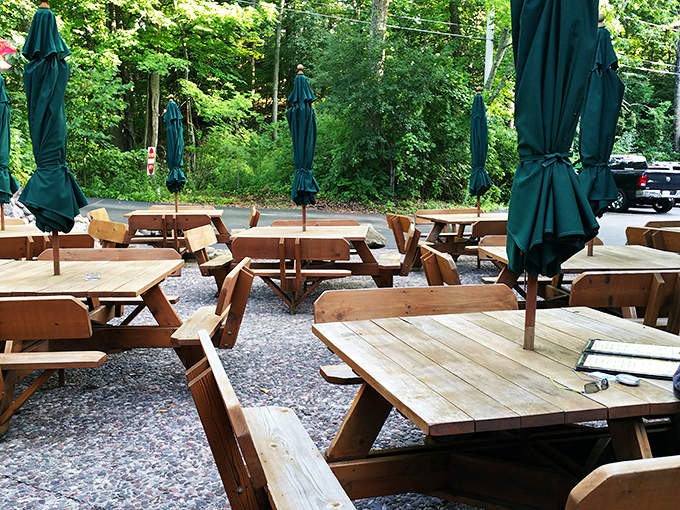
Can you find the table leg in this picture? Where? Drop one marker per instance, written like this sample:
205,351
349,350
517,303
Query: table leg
384,278
507,277
437,229
160,307
629,439
223,235
360,427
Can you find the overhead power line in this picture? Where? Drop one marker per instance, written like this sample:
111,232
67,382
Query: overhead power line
665,27
658,71
416,19
310,13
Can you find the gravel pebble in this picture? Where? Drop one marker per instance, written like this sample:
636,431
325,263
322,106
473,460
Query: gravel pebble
127,435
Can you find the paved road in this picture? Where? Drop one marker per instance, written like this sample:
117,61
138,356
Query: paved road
612,231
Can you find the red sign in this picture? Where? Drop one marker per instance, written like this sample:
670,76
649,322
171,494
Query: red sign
151,160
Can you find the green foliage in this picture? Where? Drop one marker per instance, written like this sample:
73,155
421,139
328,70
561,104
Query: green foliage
644,120
393,118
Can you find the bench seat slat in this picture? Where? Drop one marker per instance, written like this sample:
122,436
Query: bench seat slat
306,273
131,300
340,374
204,318
51,360
219,261
298,477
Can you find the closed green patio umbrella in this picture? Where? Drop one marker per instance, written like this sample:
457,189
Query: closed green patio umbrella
8,184
549,218
52,193
479,146
598,125
302,124
174,148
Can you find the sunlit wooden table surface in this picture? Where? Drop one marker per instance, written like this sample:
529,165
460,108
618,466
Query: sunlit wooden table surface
97,281
500,432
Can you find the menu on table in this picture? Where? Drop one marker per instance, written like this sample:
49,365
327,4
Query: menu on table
644,360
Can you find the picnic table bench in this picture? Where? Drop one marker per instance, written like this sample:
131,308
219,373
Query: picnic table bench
29,325
197,242
264,455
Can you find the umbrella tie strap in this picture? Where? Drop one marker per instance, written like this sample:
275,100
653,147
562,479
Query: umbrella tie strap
549,158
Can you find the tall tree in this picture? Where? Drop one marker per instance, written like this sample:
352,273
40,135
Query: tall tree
676,134
277,59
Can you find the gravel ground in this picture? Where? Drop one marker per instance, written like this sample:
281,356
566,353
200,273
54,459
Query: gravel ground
127,435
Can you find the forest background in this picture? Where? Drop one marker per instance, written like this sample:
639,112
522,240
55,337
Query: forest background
394,81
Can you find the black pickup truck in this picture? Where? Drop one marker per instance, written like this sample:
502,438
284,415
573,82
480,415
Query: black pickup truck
639,183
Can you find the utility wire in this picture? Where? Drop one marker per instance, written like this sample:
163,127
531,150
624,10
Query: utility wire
417,19
665,27
658,71
368,22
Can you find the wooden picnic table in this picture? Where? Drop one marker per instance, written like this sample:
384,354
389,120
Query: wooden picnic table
500,431
355,234
441,220
28,241
604,258
104,285
457,245
170,221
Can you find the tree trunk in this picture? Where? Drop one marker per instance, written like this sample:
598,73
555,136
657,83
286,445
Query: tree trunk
454,19
676,134
129,132
189,115
152,110
504,45
378,31
275,87
379,20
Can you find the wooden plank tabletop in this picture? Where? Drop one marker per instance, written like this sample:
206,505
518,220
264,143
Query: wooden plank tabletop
463,219
461,373
30,230
606,258
20,231
349,232
213,213
116,278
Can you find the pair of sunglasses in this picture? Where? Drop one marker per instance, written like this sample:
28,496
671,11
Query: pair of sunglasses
591,386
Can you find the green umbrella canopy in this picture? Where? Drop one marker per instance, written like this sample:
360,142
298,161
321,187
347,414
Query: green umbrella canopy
174,140
549,218
479,146
8,184
51,193
302,124
598,125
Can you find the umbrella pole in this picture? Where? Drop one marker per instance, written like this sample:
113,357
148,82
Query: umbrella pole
2,216
478,209
304,218
55,251
176,206
530,312
589,244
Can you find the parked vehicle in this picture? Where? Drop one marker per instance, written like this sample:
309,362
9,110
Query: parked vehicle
640,183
